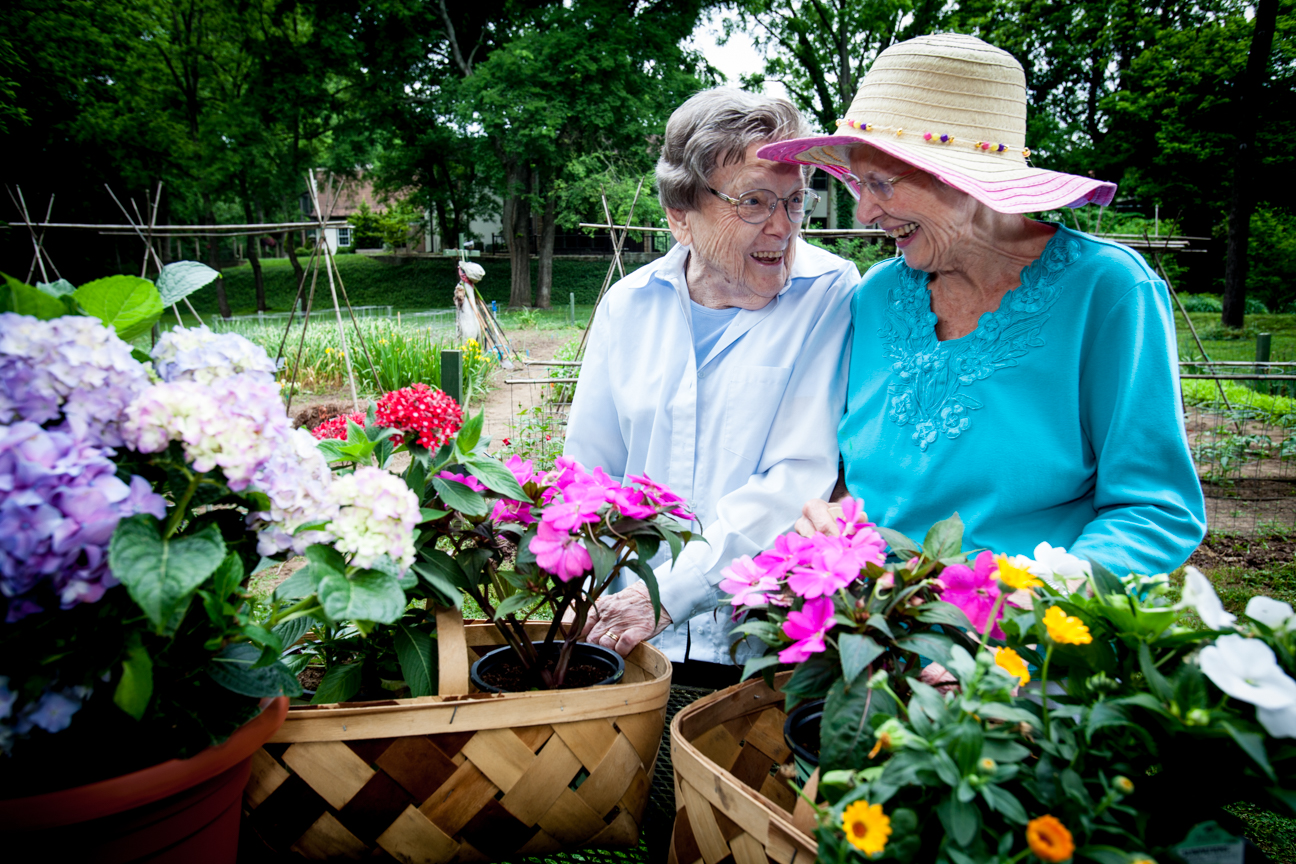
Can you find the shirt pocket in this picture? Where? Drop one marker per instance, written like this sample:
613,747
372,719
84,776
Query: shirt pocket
752,397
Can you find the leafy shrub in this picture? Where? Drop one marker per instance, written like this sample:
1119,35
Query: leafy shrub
864,251
1202,302
345,250
1271,274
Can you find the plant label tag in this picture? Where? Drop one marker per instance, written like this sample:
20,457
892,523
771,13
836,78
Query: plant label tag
1208,843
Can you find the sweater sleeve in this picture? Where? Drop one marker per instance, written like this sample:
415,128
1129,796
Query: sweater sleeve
1150,510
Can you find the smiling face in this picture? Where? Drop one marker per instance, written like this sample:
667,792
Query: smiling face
732,262
933,224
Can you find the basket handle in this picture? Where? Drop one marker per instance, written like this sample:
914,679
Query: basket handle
452,652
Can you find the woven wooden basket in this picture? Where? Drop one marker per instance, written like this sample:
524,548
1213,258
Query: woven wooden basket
464,776
732,799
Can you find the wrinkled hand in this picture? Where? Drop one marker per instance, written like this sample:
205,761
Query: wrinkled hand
818,517
621,621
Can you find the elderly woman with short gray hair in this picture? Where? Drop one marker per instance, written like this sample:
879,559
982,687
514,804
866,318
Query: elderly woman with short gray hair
719,369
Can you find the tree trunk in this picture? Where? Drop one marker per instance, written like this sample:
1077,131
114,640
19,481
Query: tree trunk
1249,106
222,302
253,250
548,227
517,232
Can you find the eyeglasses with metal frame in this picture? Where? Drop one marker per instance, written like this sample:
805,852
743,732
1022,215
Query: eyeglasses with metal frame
756,206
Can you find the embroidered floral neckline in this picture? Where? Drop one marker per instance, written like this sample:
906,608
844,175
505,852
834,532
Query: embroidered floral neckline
929,377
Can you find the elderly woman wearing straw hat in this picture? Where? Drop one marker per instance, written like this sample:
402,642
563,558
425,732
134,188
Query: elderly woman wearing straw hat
1012,370
719,369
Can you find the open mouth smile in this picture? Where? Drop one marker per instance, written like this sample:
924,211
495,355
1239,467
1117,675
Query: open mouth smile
902,232
769,259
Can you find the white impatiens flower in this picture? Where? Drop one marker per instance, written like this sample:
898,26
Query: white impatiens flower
1199,594
1247,669
1059,568
1272,613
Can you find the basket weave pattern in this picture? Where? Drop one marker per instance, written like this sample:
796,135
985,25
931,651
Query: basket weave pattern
465,778
732,799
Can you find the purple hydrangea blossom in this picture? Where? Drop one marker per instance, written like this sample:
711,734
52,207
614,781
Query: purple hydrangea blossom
72,368
198,354
52,711
298,482
60,501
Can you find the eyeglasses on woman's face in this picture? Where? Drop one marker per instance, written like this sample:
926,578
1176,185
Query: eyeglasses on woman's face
757,205
881,188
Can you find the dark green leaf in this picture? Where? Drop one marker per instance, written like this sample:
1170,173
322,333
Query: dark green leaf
1005,802
945,538
447,592
1003,752
1105,714
512,605
649,578
811,679
1254,746
961,821
940,612
367,595
339,684
603,558
933,646
497,477
857,652
459,497
901,546
332,450
162,575
128,304
57,288
437,562
136,685
228,576
303,582
233,670
756,664
414,651
427,514
845,735
326,556
1103,854
1157,682
470,433
1105,582
23,299
291,631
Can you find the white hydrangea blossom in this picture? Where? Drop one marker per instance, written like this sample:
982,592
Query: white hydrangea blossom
377,516
198,354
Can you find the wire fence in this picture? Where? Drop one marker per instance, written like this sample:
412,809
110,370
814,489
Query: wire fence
1242,434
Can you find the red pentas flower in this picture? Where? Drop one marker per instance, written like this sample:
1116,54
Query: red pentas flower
423,410
336,427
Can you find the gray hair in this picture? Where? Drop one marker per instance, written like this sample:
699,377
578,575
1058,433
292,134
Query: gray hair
715,128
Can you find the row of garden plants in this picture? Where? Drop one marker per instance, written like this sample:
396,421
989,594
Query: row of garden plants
1068,713
142,489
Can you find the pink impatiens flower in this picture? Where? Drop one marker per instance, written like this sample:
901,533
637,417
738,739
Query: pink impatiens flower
808,627
579,506
631,503
974,590
508,510
523,470
559,553
748,583
661,495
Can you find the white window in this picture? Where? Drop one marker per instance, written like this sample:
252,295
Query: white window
344,236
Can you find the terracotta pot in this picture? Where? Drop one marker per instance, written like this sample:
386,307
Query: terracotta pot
184,811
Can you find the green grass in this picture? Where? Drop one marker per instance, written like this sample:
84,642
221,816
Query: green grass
409,283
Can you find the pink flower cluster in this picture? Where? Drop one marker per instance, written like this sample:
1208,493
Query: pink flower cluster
574,498
974,590
425,411
813,568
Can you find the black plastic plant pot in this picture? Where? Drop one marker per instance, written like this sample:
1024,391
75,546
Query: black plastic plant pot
583,652
801,732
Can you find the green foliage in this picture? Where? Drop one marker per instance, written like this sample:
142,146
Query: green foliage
863,251
368,225
128,304
1271,269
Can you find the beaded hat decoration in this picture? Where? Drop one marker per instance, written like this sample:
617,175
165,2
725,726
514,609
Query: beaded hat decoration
955,107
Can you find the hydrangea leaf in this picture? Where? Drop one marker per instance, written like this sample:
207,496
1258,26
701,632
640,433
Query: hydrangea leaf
162,575
57,288
181,278
290,631
23,299
368,595
416,653
234,670
136,685
128,304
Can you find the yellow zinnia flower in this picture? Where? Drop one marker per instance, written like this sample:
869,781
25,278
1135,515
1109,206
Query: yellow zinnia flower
867,827
1014,575
1049,839
1065,628
1011,662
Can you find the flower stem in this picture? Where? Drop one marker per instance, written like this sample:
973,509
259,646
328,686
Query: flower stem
990,620
177,515
1048,655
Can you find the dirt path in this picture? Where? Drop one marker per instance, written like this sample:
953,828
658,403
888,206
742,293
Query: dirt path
505,401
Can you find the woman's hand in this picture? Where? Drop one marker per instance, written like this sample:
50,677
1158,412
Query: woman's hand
621,621
819,517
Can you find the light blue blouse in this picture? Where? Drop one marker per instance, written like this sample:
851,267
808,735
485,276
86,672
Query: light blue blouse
1058,419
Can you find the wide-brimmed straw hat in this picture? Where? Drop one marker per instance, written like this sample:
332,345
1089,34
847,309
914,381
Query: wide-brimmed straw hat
955,107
